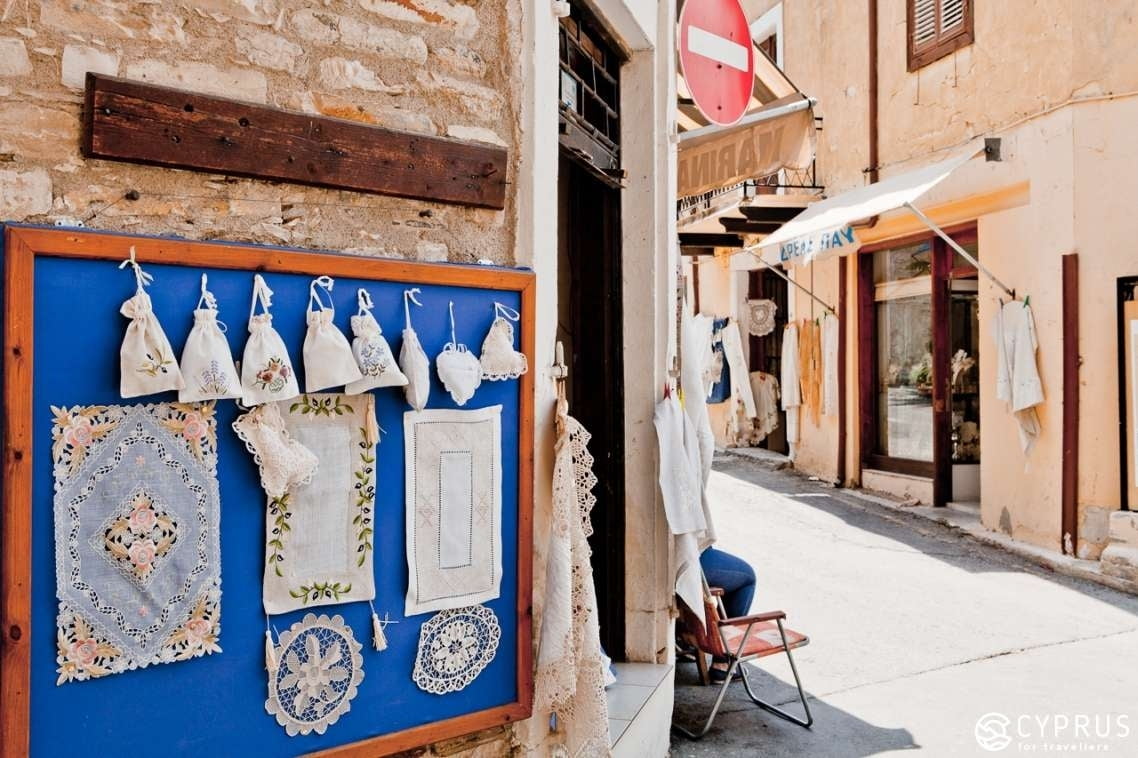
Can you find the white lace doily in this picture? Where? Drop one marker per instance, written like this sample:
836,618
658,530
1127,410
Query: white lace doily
762,315
319,671
454,647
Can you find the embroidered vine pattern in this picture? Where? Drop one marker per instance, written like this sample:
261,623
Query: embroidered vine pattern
320,407
365,498
280,513
310,593
155,364
274,375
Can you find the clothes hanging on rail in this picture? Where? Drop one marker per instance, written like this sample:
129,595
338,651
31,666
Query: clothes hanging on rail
791,386
1017,375
830,368
809,368
720,391
733,350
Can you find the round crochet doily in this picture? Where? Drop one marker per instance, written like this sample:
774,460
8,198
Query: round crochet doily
762,317
454,647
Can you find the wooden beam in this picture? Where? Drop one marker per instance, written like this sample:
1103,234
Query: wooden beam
697,251
142,123
699,239
1070,486
770,212
743,226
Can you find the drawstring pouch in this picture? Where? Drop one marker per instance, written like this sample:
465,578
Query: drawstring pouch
146,360
282,461
371,351
266,369
413,361
207,364
328,359
458,368
499,359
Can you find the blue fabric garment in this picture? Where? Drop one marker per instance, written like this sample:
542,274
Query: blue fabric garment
721,390
733,575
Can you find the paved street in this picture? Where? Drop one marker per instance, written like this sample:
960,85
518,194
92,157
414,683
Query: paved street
916,632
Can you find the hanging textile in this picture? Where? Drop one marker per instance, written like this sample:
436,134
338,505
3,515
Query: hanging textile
499,360
453,463
207,365
459,369
318,535
413,361
328,358
282,462
830,368
146,360
319,672
761,315
371,351
266,369
455,646
721,390
752,432
790,382
681,477
570,664
1017,375
733,350
810,368
137,552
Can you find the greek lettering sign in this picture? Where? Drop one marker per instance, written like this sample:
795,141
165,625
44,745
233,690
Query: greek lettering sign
819,245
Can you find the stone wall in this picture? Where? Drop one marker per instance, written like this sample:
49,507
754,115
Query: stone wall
437,67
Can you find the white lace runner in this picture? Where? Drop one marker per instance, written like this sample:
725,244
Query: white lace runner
137,553
454,647
453,463
319,671
319,534
570,664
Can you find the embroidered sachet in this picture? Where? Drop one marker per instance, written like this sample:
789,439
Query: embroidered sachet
319,672
283,462
458,368
328,359
146,360
453,465
266,369
499,360
137,553
318,536
372,353
454,648
207,365
413,361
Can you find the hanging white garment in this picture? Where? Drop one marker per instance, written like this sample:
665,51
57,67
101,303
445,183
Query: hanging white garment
413,361
146,360
458,368
1017,375
266,369
499,359
830,369
733,350
328,359
570,677
681,477
695,336
372,353
791,388
207,365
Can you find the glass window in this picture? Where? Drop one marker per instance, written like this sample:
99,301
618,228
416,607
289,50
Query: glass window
964,370
904,377
903,263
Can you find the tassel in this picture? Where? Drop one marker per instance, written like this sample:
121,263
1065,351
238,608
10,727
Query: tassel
378,638
270,652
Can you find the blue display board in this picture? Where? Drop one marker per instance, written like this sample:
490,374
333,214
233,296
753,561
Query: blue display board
215,705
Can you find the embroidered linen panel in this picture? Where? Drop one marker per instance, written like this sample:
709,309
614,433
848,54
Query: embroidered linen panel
318,535
137,552
453,465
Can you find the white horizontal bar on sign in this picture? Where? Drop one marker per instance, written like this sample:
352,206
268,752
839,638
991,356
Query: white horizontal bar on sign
718,49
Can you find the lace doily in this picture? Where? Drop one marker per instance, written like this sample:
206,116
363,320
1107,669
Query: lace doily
454,647
320,671
762,317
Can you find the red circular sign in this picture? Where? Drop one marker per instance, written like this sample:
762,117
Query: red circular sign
717,58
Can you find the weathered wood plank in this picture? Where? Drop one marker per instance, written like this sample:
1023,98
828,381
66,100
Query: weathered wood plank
143,123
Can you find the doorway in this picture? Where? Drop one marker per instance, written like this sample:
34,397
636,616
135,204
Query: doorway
766,351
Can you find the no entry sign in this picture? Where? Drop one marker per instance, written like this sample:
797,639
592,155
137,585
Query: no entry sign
717,58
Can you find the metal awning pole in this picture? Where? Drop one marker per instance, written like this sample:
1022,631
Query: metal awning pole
955,246
822,302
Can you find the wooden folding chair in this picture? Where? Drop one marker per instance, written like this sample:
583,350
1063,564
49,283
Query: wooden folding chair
739,640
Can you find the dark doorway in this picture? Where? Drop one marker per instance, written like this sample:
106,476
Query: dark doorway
766,351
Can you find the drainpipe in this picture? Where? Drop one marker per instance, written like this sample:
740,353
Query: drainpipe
873,156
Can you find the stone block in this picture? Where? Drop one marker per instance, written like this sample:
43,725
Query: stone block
14,57
475,133
237,83
1121,562
341,73
24,193
461,60
79,59
316,26
1123,527
166,26
384,42
262,48
98,19
405,120
261,12
35,131
433,252
462,18
477,100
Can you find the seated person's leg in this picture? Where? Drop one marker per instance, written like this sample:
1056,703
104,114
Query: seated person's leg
734,575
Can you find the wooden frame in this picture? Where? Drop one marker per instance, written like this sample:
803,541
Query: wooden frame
22,246
1071,360
1125,292
941,45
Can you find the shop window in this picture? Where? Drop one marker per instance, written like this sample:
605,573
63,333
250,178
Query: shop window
937,28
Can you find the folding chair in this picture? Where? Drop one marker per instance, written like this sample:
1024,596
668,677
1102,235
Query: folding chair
739,640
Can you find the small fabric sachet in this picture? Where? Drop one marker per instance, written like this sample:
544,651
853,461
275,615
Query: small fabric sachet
207,364
413,361
146,360
372,353
328,359
459,369
283,462
266,369
499,359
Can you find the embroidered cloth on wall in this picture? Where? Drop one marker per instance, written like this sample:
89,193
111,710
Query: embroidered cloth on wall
762,317
137,554
318,535
453,465
454,647
319,673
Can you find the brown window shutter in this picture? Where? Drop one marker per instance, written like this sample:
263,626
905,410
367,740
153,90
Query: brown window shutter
924,27
937,28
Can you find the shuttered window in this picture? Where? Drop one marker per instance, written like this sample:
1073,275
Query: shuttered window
937,28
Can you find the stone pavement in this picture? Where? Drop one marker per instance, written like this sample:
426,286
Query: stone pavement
917,631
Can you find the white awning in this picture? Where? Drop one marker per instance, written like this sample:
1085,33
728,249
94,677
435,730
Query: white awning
824,229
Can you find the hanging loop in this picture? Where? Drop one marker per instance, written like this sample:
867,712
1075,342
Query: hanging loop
325,283
141,278
410,295
261,294
505,311
363,298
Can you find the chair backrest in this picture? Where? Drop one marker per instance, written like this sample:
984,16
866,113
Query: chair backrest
705,636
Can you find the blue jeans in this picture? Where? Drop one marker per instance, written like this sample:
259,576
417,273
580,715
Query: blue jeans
734,575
